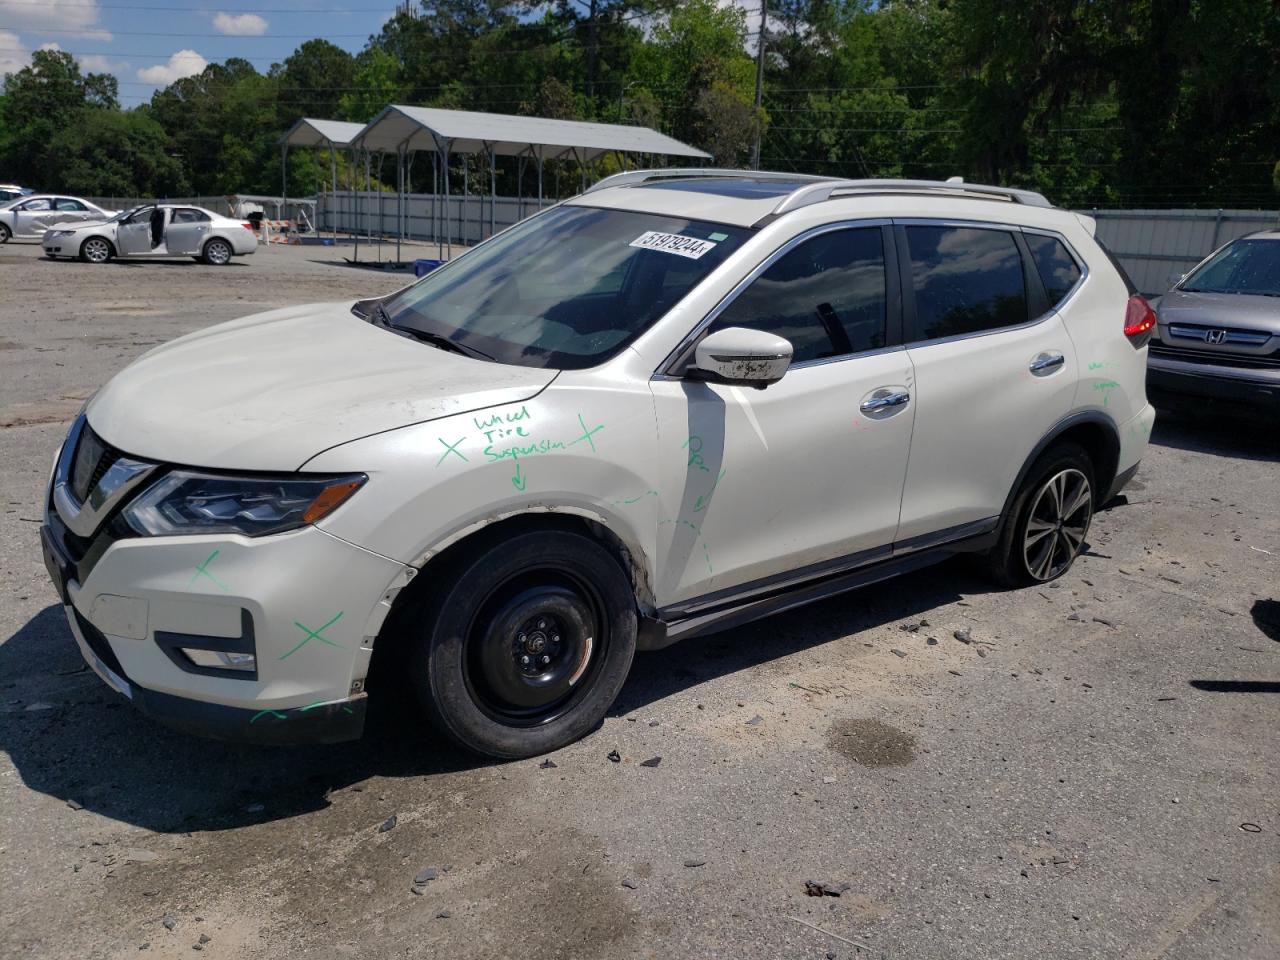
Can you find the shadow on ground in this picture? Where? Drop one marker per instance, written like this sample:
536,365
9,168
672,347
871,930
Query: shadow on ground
85,744
1222,430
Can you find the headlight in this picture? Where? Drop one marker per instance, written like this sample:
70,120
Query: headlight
63,233
183,502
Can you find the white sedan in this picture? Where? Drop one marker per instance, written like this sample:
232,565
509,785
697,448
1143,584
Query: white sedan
27,218
155,230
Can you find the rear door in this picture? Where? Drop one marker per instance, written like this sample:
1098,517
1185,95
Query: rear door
69,210
995,371
187,230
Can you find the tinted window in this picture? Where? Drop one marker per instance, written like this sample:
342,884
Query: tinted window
826,296
37,205
1057,268
567,288
188,216
966,279
69,205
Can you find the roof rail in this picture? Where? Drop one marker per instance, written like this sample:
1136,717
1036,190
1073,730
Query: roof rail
818,192
635,177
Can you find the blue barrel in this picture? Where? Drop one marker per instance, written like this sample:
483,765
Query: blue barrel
422,267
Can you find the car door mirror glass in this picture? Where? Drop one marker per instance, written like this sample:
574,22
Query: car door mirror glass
738,355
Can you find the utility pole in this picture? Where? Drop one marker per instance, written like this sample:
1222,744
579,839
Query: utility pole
755,146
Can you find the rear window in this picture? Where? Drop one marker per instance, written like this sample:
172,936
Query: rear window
966,280
1058,270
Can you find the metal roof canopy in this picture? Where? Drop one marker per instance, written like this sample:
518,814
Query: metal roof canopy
463,131
309,132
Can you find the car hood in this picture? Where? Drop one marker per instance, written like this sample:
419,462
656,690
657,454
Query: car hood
269,392
1238,310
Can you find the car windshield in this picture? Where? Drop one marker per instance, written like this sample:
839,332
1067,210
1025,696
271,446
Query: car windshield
1243,266
126,214
566,289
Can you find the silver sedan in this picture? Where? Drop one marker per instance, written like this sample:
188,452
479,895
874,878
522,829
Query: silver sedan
27,218
155,230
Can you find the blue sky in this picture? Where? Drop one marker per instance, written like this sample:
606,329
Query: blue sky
150,43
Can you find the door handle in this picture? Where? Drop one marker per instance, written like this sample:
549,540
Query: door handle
880,403
1046,362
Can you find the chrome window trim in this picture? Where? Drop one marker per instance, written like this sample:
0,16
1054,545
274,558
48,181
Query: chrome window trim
124,475
1007,228
684,348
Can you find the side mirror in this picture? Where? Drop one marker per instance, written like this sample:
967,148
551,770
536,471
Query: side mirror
738,355
1176,278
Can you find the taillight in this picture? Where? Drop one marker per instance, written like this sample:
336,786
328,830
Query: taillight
1139,321
247,226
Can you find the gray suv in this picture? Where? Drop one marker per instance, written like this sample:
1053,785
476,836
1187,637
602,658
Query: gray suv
1219,329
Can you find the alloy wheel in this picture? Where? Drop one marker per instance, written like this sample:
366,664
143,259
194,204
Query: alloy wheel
218,253
97,250
1057,524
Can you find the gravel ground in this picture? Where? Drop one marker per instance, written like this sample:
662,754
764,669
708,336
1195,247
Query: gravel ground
1093,775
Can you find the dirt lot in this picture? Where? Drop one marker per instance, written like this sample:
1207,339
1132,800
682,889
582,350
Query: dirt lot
1094,775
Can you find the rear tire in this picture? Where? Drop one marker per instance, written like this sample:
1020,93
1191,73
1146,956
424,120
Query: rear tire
217,253
1048,521
526,645
96,250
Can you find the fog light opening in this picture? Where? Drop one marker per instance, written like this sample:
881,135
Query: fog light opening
221,660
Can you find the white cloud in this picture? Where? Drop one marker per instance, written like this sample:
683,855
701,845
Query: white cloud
81,16
13,55
242,25
49,47
184,63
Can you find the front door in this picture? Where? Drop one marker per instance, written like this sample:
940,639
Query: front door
134,236
995,370
758,483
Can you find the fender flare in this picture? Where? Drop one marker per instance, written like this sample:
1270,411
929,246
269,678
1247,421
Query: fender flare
1093,417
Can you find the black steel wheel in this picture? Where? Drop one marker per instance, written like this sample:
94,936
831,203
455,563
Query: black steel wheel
527,645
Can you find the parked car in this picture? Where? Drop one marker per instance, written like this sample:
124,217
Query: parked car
11,191
28,218
1219,329
673,404
156,230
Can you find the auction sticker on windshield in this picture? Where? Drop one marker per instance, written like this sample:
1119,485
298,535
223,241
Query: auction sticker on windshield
676,243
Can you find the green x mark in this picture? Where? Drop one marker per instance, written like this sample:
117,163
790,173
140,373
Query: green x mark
262,713
451,448
315,635
587,434
202,570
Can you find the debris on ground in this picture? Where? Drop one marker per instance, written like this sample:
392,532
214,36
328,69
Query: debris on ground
962,635
169,922
898,653
630,884
426,875
695,863
651,762
814,888
388,824
615,756
754,720
547,765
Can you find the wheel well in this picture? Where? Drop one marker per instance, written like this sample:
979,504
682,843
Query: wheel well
417,594
1103,448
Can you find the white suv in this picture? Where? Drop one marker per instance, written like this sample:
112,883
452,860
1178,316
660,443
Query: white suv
677,402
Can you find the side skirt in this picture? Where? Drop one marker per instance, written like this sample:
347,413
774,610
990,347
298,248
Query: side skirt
673,624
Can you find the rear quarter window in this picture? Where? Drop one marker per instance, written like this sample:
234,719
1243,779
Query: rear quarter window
1058,270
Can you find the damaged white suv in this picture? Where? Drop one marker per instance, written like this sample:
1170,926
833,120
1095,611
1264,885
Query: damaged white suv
680,401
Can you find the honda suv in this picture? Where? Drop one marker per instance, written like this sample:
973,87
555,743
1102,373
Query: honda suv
1219,329
675,403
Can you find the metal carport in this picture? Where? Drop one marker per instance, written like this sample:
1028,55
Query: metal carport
332,134
405,130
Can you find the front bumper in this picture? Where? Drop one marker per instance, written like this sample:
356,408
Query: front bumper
307,604
1175,377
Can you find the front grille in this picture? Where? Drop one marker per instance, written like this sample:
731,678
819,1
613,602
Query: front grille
1265,361
94,457
98,644
1198,331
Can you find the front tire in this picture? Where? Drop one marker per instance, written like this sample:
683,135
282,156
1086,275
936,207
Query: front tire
96,250
526,645
1049,520
217,253
5,233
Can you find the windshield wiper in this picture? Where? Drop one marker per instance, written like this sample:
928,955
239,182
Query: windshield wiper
380,318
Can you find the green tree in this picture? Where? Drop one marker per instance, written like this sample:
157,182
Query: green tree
115,153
